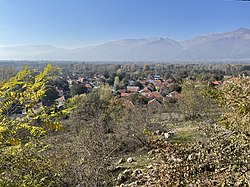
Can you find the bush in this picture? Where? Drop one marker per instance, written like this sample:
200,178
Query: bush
234,97
100,129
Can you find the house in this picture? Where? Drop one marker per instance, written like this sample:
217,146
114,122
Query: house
165,83
81,79
145,91
89,87
60,101
157,77
36,107
150,77
157,83
125,94
217,83
154,95
133,89
154,105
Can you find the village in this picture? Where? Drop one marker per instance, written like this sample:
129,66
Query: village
152,91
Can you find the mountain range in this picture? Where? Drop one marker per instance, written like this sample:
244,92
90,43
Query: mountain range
233,45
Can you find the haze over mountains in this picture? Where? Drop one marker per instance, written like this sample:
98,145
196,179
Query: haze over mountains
221,46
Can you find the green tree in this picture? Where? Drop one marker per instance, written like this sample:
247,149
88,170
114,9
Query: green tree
193,103
77,89
50,95
116,83
60,84
146,67
124,83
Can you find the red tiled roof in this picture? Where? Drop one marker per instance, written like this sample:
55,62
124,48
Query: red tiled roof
157,84
217,82
88,86
154,95
165,83
145,90
133,88
81,79
125,94
60,99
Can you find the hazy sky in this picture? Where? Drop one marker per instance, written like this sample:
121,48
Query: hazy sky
73,23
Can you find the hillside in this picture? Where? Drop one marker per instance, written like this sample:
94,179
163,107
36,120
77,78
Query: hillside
234,45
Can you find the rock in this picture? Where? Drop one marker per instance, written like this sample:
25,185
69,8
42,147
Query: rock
177,160
168,135
127,172
190,157
130,160
116,169
150,166
136,172
122,160
121,178
152,152
158,132
135,183
140,176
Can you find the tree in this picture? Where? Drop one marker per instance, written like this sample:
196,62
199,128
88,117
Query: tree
124,83
61,84
146,67
116,83
77,89
193,102
51,94
119,72
234,97
21,159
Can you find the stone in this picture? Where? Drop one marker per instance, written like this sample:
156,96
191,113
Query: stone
121,178
116,169
150,166
136,172
130,160
127,172
122,160
168,135
158,132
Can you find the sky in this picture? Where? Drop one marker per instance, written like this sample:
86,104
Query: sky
75,23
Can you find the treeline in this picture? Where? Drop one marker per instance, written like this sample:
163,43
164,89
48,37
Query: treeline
166,71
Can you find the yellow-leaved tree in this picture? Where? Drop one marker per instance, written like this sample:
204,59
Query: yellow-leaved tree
22,158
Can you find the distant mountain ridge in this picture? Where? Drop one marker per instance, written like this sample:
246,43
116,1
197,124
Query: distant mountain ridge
218,46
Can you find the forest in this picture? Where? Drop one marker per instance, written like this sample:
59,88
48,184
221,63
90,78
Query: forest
127,124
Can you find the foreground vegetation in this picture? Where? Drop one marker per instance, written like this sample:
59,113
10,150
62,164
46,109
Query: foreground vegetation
99,139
